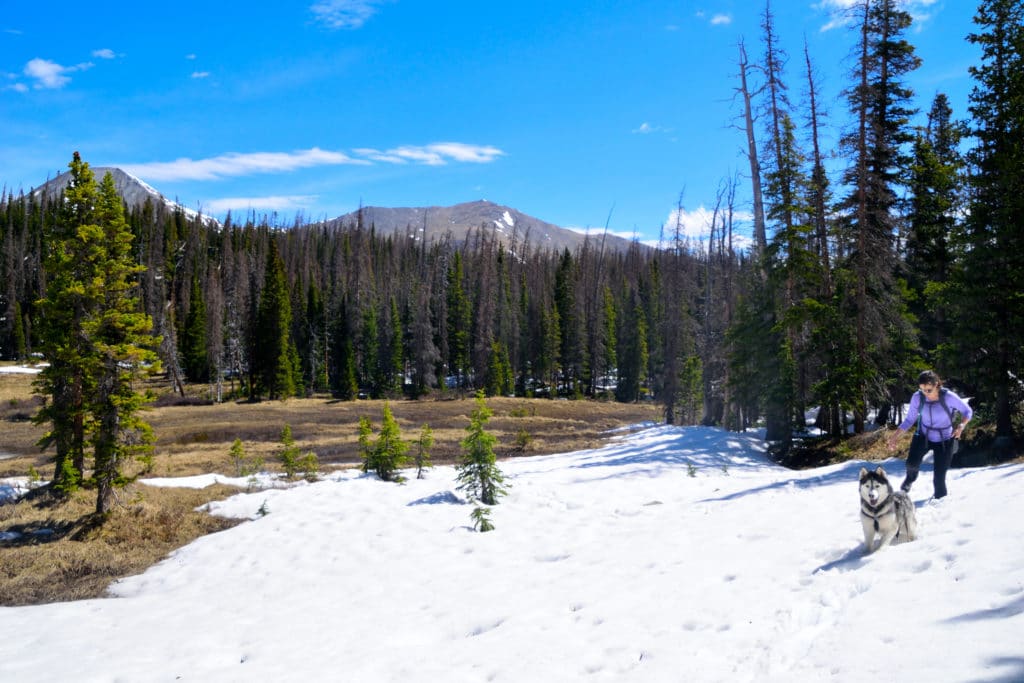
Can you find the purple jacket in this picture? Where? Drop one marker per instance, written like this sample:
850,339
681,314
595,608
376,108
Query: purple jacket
935,422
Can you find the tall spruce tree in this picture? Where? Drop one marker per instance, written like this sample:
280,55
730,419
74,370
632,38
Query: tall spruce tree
458,322
68,302
125,351
935,189
273,350
880,107
97,340
193,337
984,295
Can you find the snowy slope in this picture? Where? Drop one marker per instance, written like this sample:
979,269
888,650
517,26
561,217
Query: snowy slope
673,554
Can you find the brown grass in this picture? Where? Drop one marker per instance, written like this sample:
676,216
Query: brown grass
66,553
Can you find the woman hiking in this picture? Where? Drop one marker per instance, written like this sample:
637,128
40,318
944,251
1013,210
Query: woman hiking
932,409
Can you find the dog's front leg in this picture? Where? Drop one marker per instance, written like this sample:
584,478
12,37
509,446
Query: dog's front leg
887,537
869,533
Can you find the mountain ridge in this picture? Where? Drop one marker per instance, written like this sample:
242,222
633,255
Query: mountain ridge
511,226
460,220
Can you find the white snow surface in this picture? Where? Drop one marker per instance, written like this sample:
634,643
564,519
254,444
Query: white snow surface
671,554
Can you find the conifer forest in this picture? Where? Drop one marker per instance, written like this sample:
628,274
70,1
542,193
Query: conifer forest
900,250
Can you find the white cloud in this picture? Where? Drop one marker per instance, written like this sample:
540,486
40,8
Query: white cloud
235,164
104,53
598,232
51,75
646,128
271,203
696,226
190,56
436,154
721,20
200,74
337,14
841,12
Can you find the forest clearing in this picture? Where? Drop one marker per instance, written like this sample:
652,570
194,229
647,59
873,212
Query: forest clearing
62,552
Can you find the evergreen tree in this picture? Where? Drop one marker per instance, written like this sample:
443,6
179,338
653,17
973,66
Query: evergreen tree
365,445
988,311
570,334
458,322
96,339
423,445
344,383
879,102
124,350
69,301
369,344
498,380
389,453
610,358
633,354
934,205
193,337
478,473
273,351
20,347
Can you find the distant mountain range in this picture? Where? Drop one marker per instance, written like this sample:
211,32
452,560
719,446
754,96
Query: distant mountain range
134,191
430,223
506,223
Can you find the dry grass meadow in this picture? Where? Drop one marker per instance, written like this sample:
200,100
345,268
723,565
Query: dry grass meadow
65,553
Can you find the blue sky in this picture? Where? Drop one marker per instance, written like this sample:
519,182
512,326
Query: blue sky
578,113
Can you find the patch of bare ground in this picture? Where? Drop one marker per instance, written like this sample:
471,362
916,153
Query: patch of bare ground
57,550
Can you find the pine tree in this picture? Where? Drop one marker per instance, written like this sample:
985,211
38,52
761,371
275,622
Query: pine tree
193,337
68,302
458,322
344,383
478,473
879,104
389,453
124,350
369,345
96,339
423,445
273,331
365,445
988,311
20,347
934,205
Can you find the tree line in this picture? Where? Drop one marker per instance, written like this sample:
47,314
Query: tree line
907,255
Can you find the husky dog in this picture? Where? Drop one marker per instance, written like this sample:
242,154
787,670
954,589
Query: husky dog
890,515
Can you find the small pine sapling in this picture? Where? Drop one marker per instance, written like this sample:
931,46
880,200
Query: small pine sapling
388,455
309,465
365,447
423,446
289,453
237,454
482,519
479,475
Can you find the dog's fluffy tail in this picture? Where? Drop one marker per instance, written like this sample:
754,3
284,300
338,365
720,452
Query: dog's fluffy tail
905,518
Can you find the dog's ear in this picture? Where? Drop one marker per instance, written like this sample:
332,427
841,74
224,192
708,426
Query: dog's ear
863,472
880,471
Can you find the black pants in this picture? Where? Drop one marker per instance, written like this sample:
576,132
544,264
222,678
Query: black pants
943,454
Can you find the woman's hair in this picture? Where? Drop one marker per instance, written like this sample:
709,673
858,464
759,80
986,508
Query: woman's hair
929,377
